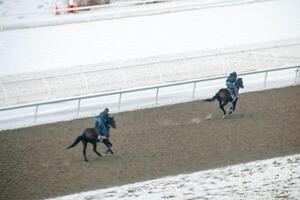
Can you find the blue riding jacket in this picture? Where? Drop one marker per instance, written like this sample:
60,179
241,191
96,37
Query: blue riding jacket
100,123
231,83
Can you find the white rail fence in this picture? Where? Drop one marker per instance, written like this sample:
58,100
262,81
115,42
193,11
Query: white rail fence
115,9
103,77
137,98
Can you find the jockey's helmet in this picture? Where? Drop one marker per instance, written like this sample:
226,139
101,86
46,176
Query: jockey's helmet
233,73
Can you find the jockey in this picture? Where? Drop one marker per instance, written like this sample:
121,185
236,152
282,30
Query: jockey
100,124
231,84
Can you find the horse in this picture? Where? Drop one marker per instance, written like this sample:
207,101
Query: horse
224,97
90,135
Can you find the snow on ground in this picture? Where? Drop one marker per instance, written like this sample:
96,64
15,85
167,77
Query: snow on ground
54,47
22,7
277,178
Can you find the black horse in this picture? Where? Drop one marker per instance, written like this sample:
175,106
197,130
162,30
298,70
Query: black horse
90,135
224,97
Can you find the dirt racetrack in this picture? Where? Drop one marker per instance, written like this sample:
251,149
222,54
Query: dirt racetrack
149,144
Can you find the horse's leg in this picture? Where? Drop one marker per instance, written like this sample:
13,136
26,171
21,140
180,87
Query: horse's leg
108,141
108,144
84,151
233,106
95,149
221,105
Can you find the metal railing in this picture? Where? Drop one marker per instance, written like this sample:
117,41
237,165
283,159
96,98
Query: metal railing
92,79
162,6
157,88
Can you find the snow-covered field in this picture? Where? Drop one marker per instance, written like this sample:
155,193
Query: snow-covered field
23,14
277,178
66,46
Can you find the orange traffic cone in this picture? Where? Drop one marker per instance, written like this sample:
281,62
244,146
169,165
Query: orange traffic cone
57,12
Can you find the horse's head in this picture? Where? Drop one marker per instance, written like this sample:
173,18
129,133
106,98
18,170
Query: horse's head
239,83
111,121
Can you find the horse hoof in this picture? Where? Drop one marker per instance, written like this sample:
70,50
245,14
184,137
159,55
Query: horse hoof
225,116
109,151
86,160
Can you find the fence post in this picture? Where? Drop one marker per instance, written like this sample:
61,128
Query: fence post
4,92
78,108
224,70
297,75
255,58
265,82
274,54
194,90
156,98
47,86
36,113
159,72
82,75
122,74
120,99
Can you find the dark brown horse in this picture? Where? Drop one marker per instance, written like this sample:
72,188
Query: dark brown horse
224,97
90,135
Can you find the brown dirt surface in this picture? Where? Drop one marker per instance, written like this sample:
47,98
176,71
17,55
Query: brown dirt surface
148,144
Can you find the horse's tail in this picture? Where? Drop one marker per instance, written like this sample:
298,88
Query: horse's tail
211,99
78,139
